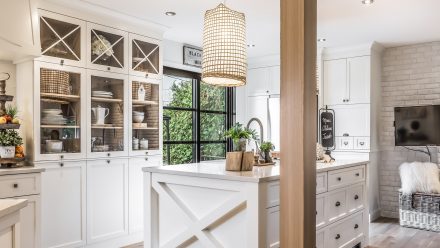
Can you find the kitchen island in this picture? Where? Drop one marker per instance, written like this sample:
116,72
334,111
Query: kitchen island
202,205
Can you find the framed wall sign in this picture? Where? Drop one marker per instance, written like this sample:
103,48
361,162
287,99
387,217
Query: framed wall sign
192,56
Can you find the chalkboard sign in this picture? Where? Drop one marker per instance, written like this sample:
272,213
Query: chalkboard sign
327,128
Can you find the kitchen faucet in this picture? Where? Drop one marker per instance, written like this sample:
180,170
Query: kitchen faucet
260,124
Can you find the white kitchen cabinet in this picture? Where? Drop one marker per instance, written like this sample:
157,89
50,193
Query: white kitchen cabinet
358,80
352,120
263,81
63,204
335,81
273,227
347,81
145,57
136,192
29,225
18,30
107,199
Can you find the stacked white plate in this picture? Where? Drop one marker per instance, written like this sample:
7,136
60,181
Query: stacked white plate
53,117
102,94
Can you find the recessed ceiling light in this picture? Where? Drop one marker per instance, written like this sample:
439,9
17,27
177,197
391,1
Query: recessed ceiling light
367,2
170,13
251,45
322,39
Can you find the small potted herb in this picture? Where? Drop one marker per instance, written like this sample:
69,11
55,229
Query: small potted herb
266,148
9,139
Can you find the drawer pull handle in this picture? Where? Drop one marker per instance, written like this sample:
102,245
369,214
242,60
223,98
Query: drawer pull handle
62,62
357,174
356,226
346,143
146,159
338,204
108,161
316,212
346,135
356,197
362,143
339,179
146,153
15,185
338,236
61,164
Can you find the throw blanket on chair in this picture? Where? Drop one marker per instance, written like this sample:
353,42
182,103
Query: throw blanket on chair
418,177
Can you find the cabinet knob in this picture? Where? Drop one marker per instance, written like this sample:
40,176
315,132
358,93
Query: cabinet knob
108,68
356,197
267,91
15,185
146,159
108,154
62,62
146,153
338,236
146,75
346,134
357,174
108,161
61,164
356,226
62,157
346,143
362,143
339,179
338,204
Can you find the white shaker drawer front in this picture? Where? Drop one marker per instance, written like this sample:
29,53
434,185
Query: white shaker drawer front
346,231
355,198
345,177
19,185
362,143
320,211
320,237
321,183
345,143
336,205
273,194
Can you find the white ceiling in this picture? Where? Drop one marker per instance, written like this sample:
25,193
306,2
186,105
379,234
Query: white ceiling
341,22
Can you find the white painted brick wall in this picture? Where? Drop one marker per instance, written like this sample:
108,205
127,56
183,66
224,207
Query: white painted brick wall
410,76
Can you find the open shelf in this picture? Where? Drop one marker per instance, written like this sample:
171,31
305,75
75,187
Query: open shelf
140,103
106,127
99,99
59,126
62,97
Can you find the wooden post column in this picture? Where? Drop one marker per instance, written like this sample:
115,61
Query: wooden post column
298,123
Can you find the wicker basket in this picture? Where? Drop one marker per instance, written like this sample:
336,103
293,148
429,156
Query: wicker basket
420,211
55,82
135,88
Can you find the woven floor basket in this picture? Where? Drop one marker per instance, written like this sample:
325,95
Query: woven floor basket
420,211
135,88
55,82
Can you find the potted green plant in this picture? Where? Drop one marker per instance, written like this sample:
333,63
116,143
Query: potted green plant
240,136
266,147
9,139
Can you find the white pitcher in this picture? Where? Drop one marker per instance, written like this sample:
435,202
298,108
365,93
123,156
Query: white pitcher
100,114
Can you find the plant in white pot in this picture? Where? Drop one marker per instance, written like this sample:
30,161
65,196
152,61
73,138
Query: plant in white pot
9,139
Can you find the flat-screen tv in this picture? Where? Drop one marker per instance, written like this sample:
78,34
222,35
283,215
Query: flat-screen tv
417,126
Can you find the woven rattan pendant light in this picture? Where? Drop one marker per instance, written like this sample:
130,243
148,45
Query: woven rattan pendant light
224,60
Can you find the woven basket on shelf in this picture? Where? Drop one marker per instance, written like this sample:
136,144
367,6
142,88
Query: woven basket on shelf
135,88
420,211
55,82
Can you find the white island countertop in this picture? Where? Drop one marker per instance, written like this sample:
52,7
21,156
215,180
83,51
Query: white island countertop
9,206
338,164
216,170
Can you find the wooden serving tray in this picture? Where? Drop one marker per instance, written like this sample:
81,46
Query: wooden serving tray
265,164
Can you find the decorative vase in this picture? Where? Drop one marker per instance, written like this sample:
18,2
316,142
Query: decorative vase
242,145
233,161
7,151
267,157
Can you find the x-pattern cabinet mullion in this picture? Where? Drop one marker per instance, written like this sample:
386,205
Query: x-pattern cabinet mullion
145,57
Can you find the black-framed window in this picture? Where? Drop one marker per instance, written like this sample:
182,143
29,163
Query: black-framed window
195,118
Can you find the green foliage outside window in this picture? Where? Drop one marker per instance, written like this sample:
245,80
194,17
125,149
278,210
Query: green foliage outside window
180,124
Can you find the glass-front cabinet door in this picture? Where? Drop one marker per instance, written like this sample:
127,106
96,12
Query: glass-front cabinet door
145,57
59,123
107,112
145,116
62,39
106,48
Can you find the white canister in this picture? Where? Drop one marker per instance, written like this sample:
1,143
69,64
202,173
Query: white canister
143,144
7,151
135,143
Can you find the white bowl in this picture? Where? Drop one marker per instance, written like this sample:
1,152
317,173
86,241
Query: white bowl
138,113
138,118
